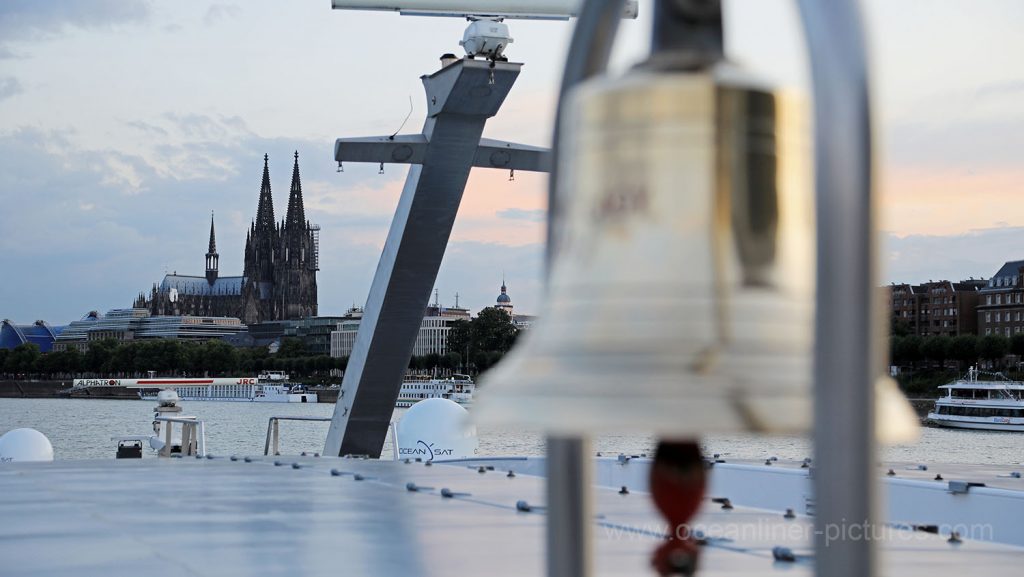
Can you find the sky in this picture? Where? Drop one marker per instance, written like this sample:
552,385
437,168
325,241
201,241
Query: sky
124,123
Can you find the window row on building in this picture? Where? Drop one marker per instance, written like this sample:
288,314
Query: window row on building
974,306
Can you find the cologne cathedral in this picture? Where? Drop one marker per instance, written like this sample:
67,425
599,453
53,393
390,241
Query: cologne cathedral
279,280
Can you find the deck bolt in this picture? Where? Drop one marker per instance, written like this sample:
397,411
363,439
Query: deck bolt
954,538
247,459
789,514
278,463
296,466
938,477
482,470
336,473
357,477
783,554
511,474
891,473
623,490
234,457
523,506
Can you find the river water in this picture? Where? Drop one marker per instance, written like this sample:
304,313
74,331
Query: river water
82,429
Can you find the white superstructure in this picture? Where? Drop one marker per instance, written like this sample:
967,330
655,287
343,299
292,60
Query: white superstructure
270,387
994,405
458,388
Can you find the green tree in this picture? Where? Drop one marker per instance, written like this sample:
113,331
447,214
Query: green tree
1017,345
340,363
899,327
122,360
451,361
936,348
74,361
219,357
908,349
993,347
493,330
97,357
4,353
964,349
460,339
292,347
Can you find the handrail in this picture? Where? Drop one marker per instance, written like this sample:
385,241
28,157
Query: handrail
193,436
274,431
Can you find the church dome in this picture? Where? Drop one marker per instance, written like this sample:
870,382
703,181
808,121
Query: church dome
503,298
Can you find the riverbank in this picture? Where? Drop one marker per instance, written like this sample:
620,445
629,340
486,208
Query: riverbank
62,389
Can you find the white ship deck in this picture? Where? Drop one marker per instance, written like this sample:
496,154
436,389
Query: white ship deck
221,517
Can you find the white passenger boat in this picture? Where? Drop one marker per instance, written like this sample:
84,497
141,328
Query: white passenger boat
266,388
994,405
458,388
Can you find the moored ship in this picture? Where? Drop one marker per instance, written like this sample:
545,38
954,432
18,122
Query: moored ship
969,403
270,387
458,388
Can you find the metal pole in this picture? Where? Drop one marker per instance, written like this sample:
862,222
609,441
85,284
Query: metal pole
568,466
202,438
569,528
847,359
589,50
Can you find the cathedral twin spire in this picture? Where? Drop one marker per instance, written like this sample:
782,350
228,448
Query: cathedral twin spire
265,211
296,213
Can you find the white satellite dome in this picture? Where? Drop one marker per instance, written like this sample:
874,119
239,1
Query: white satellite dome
25,445
436,429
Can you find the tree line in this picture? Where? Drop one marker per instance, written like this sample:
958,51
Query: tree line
966,350
166,357
474,346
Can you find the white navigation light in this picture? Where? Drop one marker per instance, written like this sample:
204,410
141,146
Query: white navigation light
436,429
25,445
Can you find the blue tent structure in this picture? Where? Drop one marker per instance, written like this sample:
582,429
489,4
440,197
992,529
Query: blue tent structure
39,333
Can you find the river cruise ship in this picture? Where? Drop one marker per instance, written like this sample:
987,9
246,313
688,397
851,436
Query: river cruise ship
970,403
269,387
458,388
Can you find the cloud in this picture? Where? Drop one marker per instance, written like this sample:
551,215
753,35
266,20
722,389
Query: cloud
1012,87
33,20
9,86
147,127
978,253
536,215
980,144
96,225
220,12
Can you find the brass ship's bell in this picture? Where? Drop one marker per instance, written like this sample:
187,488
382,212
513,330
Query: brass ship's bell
681,295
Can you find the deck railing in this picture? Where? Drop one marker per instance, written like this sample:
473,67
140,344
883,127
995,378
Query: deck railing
274,432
